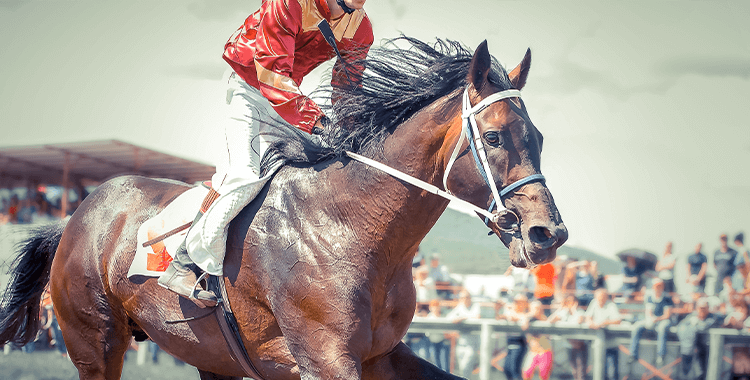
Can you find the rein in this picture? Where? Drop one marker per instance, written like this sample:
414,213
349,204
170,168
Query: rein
471,133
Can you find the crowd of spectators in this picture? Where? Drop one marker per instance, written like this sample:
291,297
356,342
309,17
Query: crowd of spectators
33,208
574,292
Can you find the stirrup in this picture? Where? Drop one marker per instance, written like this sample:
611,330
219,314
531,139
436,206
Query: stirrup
195,291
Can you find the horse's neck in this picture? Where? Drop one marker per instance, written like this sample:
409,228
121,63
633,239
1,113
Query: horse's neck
407,213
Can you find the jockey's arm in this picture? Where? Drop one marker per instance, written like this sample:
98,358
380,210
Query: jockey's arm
353,51
274,62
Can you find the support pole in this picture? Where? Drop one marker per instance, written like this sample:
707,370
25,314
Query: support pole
715,353
65,183
599,348
485,351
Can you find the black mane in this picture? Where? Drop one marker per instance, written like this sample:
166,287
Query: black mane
398,82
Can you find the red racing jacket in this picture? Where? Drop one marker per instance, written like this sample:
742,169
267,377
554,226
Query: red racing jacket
280,43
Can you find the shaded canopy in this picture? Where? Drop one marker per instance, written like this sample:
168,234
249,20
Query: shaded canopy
91,163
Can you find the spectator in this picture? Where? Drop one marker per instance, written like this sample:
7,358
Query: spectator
566,272
578,353
723,262
741,264
418,259
598,276
739,314
418,341
601,313
560,262
425,286
516,343
739,319
540,348
42,214
631,280
584,284
568,285
521,280
467,344
687,331
440,346
665,268
26,210
441,277
697,267
13,208
51,324
658,313
724,298
544,290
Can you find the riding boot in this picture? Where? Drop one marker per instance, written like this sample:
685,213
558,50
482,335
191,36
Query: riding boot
180,278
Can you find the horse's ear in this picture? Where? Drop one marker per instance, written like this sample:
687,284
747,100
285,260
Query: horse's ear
521,72
480,66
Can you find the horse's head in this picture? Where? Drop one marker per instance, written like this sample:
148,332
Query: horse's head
530,226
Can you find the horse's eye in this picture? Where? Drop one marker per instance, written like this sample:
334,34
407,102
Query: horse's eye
492,137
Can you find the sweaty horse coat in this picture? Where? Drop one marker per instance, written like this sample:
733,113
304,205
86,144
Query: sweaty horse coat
318,267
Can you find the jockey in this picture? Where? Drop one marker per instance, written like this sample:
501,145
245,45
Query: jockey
269,54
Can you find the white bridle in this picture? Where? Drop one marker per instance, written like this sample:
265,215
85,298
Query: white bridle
470,132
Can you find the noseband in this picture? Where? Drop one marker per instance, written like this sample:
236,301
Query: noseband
470,131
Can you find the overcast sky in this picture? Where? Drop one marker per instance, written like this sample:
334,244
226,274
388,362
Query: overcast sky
644,105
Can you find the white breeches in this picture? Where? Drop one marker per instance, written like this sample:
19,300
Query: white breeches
237,171
245,109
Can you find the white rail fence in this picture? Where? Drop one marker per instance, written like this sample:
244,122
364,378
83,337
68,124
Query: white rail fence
600,339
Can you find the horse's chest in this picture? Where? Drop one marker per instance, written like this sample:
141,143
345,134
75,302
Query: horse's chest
391,318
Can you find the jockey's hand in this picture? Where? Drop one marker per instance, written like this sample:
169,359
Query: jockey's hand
321,125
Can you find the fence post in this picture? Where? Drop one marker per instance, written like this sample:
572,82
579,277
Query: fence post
715,353
485,351
599,348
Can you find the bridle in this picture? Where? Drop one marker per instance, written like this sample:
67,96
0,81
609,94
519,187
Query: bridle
470,131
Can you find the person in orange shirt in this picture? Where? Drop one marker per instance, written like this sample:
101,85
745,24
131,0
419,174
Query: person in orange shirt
544,291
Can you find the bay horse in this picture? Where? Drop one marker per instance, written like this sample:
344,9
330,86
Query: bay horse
318,267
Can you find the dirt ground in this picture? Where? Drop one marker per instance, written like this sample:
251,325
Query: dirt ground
51,365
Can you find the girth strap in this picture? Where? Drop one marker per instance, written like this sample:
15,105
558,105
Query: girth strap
229,328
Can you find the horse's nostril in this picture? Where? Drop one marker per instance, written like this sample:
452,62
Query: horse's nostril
541,235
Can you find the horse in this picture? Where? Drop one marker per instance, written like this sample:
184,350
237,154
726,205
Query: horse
318,266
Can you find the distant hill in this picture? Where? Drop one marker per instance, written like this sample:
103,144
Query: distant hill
464,246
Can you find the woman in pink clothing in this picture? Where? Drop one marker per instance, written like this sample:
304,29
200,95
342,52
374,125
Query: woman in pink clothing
540,348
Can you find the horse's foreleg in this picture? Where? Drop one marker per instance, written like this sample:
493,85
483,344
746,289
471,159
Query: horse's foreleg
402,363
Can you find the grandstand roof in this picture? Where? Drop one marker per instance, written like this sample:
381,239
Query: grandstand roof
91,163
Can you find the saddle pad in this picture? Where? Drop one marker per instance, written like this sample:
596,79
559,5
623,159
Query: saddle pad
153,260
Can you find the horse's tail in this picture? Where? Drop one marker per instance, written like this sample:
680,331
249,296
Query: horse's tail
30,271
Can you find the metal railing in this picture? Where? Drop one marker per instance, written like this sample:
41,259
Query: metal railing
599,338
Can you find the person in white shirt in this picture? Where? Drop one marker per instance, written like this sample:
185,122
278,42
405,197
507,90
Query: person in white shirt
665,267
424,285
467,345
601,313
